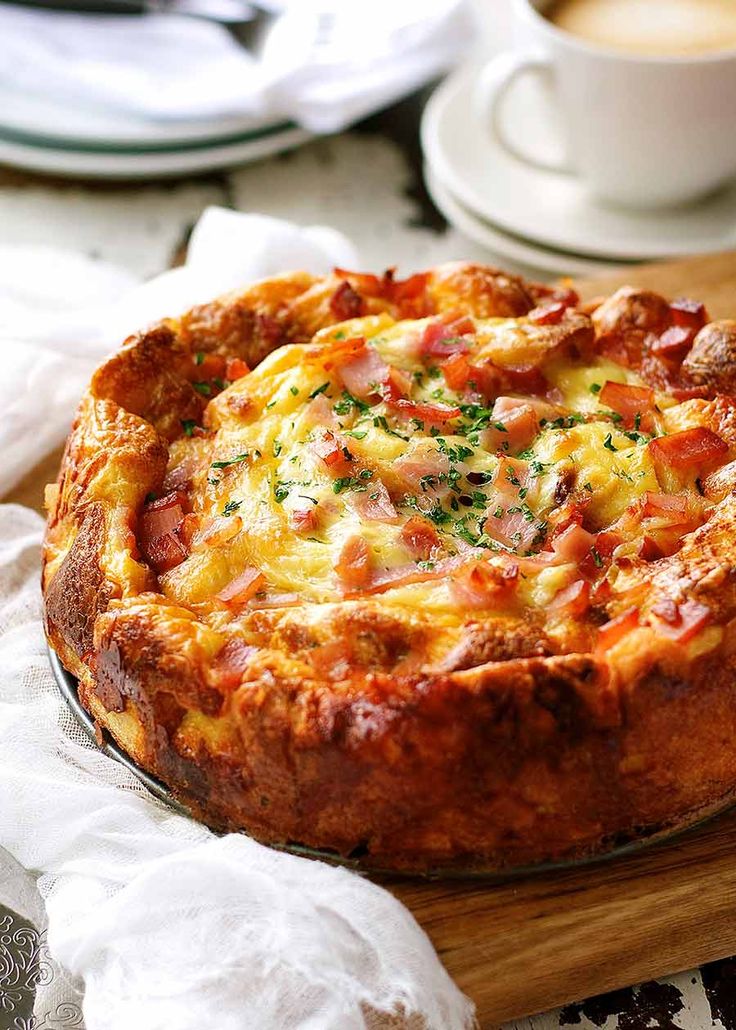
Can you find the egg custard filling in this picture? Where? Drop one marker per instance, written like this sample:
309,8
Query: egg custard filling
453,466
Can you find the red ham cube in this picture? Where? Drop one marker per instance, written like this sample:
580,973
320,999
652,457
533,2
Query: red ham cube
550,313
419,537
692,451
243,586
158,535
354,566
429,414
573,600
616,629
516,426
346,303
479,585
681,622
627,401
334,452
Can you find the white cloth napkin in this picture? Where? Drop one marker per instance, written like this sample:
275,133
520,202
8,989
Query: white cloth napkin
61,312
166,924
324,63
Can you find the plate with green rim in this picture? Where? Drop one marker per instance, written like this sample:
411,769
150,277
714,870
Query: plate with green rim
103,159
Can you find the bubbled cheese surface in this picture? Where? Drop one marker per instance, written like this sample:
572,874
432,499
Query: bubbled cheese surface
259,465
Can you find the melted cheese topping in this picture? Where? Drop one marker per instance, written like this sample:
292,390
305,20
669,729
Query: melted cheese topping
260,466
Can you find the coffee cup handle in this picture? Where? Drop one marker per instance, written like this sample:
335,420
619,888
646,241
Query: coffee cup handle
493,85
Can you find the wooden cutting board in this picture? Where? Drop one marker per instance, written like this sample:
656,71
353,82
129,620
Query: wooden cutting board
528,945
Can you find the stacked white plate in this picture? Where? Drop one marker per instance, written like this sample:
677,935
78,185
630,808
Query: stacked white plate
42,135
547,220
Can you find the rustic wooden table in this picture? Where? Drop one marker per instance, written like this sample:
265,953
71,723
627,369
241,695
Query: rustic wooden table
144,227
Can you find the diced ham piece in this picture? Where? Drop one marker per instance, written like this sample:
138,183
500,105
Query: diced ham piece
573,600
396,386
419,537
672,508
321,412
210,366
527,379
304,520
484,381
346,303
689,313
479,584
363,373
510,476
570,511
354,566
163,552
605,543
340,351
442,338
408,294
159,541
219,530
243,586
420,468
683,621
692,450
514,529
548,314
333,450
456,371
231,662
688,317
509,520
404,575
573,544
429,414
490,381
627,401
367,283
674,343
616,629
236,368
374,504
280,600
162,516
517,426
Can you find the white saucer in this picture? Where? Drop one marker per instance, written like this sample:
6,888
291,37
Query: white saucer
43,134
113,161
509,247
552,208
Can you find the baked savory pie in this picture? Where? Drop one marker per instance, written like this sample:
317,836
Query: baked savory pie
435,572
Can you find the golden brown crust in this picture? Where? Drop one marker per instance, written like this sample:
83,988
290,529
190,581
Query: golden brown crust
81,577
629,309
712,359
343,728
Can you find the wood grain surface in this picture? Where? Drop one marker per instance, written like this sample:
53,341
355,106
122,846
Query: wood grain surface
531,944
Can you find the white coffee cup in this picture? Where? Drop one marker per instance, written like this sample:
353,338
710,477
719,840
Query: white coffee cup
640,130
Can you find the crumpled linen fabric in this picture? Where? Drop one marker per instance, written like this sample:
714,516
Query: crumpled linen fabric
166,924
60,313
324,63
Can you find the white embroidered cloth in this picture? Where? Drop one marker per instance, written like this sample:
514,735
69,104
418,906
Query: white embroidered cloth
166,924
